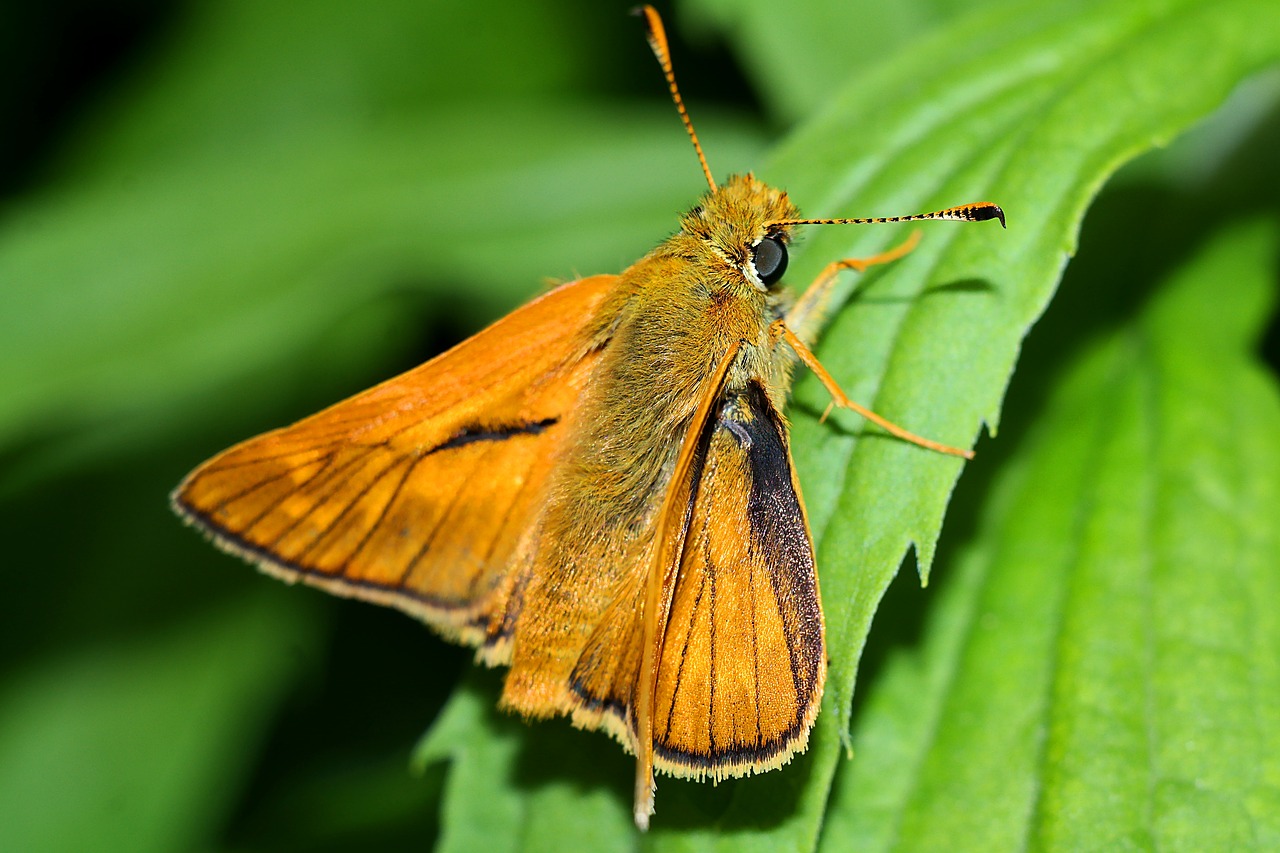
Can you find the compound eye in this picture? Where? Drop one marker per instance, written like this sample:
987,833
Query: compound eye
770,259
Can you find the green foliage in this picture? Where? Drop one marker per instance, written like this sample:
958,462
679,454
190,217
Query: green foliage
271,210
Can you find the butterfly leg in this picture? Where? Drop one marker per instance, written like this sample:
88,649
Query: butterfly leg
780,329
810,308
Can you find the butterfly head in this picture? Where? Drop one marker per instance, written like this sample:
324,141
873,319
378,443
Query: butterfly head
744,222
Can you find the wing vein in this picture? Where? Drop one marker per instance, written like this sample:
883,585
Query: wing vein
342,513
386,507
675,687
431,537
318,479
270,457
271,506
711,666
755,643
326,459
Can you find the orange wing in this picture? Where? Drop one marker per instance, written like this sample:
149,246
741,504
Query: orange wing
416,493
742,663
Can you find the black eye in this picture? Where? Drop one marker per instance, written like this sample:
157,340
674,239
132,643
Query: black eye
770,258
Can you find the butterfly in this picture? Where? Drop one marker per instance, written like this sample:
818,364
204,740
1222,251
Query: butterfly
596,491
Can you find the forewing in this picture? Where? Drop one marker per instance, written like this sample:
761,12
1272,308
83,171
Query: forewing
742,664
419,492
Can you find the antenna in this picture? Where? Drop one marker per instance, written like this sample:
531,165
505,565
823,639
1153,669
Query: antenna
658,44
978,211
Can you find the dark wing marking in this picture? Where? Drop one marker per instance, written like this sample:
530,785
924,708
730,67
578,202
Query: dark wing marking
742,665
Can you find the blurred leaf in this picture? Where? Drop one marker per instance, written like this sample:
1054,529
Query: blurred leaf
141,746
800,57
248,74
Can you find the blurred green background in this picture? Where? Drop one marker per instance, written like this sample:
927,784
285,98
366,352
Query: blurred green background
218,217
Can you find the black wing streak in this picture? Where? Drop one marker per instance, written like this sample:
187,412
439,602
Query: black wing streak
471,434
711,676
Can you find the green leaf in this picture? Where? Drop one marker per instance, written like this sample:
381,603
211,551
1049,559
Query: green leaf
1100,671
559,803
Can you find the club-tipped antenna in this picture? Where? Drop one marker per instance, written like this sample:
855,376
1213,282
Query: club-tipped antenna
657,36
978,211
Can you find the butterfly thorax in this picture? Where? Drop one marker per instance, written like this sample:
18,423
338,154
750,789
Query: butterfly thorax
673,315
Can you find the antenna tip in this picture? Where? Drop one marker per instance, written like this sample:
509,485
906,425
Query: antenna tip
648,13
654,32
988,210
